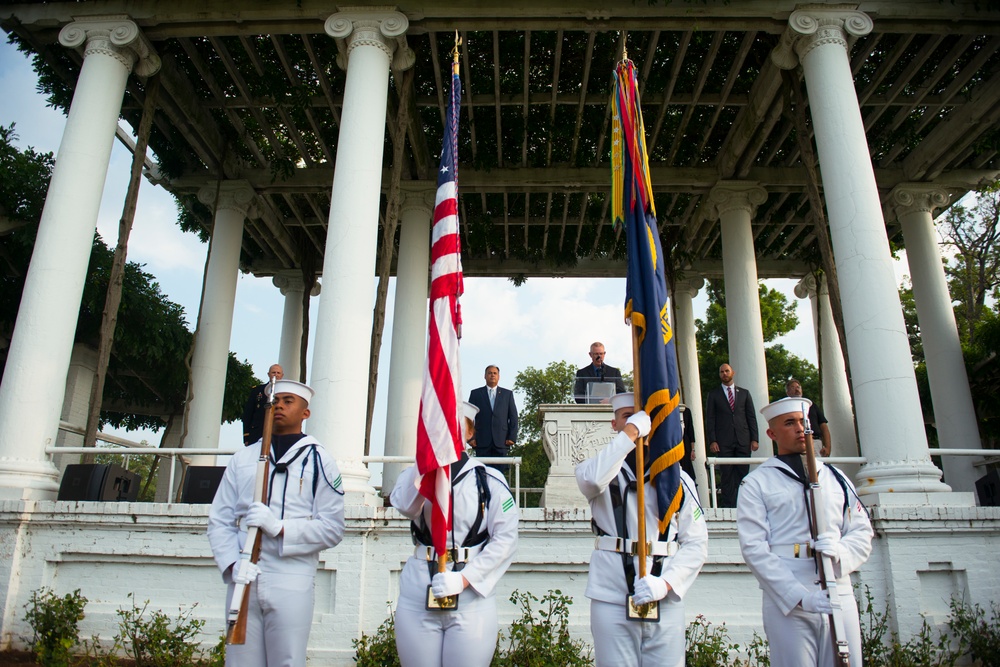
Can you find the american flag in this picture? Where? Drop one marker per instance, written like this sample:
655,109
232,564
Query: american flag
657,384
439,430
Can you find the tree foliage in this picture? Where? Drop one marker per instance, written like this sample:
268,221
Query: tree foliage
553,384
972,235
147,373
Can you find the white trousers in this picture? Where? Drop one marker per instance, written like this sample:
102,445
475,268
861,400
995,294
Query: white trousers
466,637
802,638
619,641
278,622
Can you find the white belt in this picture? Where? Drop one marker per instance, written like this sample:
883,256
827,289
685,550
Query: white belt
801,550
618,545
460,555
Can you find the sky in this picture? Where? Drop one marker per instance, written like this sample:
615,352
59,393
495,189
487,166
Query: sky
544,320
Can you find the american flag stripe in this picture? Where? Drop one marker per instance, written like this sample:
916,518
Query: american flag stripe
439,429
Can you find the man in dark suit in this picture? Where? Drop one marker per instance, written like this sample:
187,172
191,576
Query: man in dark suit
256,407
496,421
731,430
597,371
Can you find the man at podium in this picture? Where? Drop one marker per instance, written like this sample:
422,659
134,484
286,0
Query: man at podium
597,382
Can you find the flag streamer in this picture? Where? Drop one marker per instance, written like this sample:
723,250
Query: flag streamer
439,429
646,293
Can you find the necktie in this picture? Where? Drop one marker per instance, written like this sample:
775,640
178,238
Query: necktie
732,401
493,397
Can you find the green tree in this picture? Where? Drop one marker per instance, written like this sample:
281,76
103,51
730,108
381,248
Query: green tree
147,376
972,238
553,384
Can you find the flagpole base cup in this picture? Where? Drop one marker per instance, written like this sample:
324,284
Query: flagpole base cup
448,603
643,613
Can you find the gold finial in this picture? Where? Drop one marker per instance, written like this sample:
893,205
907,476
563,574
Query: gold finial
458,43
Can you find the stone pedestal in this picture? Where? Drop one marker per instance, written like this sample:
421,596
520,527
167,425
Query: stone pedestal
570,434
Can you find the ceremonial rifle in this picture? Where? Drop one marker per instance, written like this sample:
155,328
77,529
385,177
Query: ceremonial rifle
824,564
236,622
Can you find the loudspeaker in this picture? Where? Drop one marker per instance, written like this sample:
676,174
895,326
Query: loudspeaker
200,484
98,481
988,489
82,481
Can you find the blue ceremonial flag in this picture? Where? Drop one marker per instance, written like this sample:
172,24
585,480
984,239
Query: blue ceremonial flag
657,382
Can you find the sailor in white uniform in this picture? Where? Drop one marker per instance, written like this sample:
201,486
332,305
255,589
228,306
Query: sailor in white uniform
304,515
774,532
608,481
483,539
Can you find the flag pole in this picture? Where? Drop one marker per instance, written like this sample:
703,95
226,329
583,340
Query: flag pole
640,460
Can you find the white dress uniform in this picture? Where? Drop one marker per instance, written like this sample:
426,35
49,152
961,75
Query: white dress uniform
467,636
618,641
281,598
771,519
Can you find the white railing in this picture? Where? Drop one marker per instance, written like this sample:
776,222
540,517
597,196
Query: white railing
713,461
128,448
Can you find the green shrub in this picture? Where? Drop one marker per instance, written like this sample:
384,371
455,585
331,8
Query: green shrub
54,621
378,650
975,636
156,640
881,647
543,641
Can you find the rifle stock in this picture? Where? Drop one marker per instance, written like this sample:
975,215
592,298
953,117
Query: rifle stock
236,621
827,577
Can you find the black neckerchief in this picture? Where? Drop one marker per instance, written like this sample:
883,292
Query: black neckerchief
280,444
794,461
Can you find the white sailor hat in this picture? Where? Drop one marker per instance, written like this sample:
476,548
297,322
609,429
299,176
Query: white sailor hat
623,400
292,387
783,406
469,411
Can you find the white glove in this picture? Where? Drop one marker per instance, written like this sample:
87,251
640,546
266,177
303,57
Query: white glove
261,515
817,602
828,544
245,572
447,583
649,589
641,421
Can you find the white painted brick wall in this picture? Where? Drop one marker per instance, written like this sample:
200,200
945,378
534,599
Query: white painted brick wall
159,552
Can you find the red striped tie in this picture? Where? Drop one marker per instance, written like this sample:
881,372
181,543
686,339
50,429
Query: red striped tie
732,401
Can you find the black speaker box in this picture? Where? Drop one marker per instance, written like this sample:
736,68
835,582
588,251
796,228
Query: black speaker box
98,481
200,484
988,489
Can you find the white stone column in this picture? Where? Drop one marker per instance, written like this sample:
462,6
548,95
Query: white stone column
735,203
368,40
31,393
409,331
836,398
954,414
890,423
231,200
290,348
687,362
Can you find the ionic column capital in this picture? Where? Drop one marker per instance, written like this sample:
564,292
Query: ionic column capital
236,196
806,288
414,197
116,36
735,195
381,27
908,198
689,286
291,281
814,26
